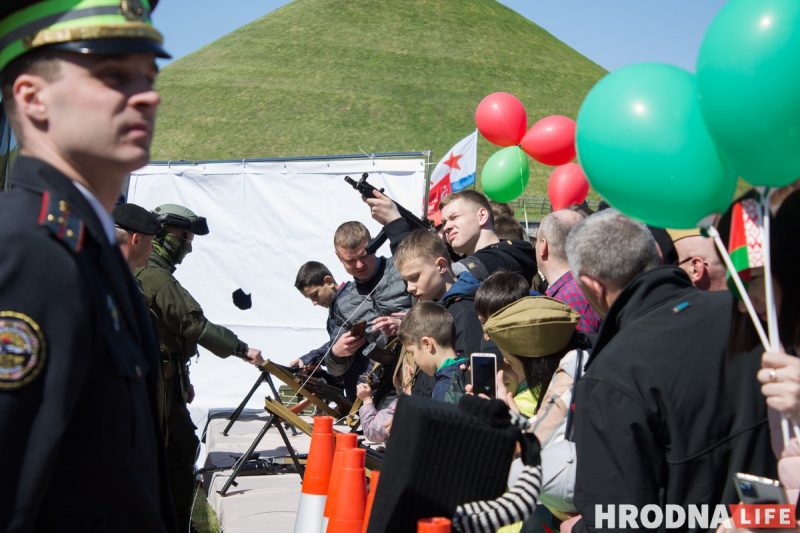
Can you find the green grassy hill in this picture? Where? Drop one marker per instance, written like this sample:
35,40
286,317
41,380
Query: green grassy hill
334,76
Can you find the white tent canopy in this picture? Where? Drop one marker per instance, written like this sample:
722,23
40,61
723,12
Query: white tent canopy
267,217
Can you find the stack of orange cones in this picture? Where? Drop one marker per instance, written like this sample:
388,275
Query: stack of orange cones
350,501
433,525
373,486
344,442
316,478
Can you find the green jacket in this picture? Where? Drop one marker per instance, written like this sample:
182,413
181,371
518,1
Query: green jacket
180,322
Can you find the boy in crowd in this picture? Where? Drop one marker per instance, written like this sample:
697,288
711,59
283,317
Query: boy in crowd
315,282
427,335
424,264
496,292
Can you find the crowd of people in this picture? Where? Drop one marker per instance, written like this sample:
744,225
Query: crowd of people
633,351
618,346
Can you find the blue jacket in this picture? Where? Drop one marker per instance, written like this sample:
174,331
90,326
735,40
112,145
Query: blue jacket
460,301
450,381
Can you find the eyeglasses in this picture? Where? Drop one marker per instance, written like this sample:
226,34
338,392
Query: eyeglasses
682,261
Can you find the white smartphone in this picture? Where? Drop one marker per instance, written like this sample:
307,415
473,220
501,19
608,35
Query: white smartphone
756,489
483,369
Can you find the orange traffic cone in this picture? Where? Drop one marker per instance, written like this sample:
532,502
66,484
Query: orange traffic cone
373,486
344,442
347,515
316,478
433,525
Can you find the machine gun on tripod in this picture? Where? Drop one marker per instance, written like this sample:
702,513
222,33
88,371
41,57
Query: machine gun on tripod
310,383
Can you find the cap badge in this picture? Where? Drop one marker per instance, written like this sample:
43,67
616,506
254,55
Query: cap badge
133,10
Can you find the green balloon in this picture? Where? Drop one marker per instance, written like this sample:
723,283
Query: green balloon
505,174
644,147
748,80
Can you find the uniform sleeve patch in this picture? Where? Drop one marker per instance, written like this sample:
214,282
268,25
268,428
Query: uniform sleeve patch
22,350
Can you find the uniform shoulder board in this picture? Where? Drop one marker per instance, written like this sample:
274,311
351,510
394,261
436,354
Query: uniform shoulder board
59,220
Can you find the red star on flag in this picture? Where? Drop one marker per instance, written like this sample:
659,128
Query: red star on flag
452,161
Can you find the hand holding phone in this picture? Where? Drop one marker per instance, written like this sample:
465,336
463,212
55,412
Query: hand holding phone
483,369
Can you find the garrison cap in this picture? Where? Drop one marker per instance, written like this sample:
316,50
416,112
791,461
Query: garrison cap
111,27
137,219
534,326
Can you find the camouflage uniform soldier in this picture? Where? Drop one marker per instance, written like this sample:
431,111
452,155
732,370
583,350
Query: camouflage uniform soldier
181,326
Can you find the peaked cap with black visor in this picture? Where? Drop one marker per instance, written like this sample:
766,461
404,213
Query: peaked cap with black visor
104,27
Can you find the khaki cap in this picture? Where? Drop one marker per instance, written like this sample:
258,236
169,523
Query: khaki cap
534,326
678,234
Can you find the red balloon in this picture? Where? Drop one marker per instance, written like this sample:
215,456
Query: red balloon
501,119
567,186
551,141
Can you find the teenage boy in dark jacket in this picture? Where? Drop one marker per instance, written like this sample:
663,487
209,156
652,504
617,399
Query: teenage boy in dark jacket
424,264
663,415
315,282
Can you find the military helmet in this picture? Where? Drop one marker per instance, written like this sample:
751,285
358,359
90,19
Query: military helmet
180,217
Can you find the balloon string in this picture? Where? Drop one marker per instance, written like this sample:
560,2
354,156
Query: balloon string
769,293
712,232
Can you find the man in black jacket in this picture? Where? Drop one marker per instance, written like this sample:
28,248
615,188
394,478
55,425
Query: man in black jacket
469,229
81,443
664,415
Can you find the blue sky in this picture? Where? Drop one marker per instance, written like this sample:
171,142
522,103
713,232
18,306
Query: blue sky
612,33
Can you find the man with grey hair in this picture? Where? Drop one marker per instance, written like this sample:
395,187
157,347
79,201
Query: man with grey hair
551,258
663,415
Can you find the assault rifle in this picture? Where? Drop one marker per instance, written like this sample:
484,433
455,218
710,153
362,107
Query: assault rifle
367,190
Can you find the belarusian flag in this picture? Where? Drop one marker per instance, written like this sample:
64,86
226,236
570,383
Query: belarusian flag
745,241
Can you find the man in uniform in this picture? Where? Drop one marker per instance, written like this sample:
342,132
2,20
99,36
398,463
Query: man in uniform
80,444
181,326
135,228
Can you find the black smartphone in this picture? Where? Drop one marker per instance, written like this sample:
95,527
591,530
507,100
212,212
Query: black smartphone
483,369
359,329
757,489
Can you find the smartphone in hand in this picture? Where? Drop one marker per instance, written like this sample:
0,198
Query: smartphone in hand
359,329
483,369
756,489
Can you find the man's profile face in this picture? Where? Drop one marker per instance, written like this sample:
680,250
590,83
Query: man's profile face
321,295
101,110
358,262
423,279
462,225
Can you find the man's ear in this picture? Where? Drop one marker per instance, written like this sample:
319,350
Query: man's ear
698,269
594,291
134,239
545,248
27,92
483,216
328,280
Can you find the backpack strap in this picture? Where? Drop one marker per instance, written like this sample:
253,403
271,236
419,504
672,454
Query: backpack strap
571,409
